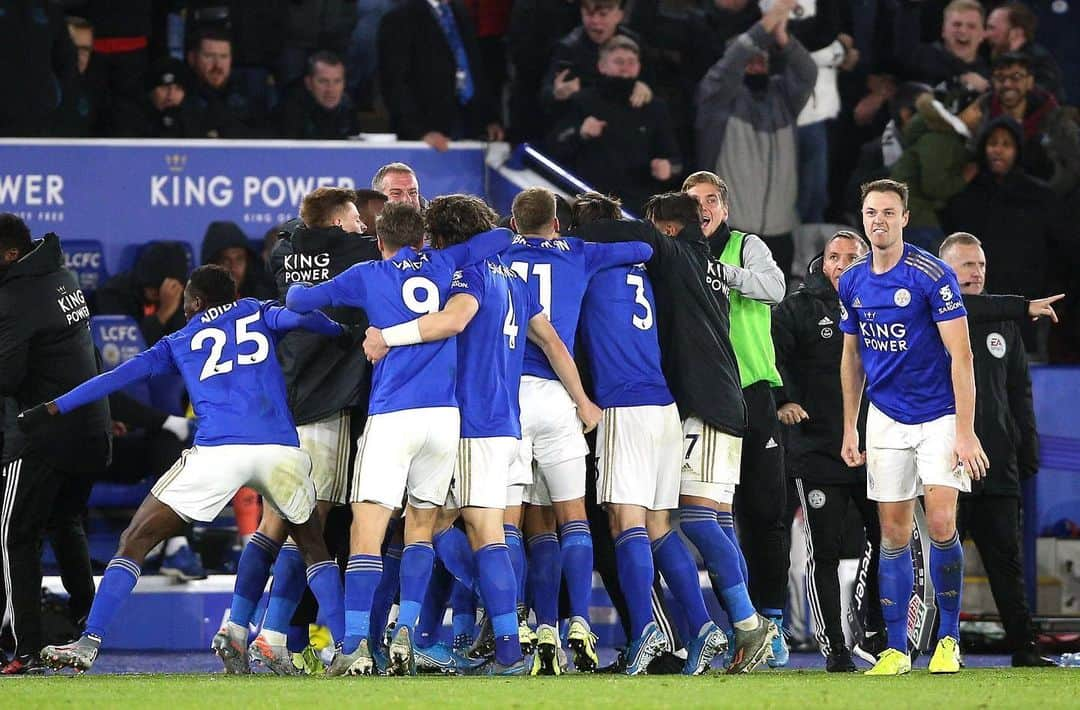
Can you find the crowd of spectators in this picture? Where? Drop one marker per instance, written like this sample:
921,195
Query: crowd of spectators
793,102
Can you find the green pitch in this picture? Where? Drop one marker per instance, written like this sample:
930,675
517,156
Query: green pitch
973,688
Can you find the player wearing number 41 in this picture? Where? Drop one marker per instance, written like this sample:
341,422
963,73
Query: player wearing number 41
906,337
246,437
490,310
410,440
558,271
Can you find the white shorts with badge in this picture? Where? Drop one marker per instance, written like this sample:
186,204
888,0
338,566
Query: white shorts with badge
205,478
639,456
711,461
327,442
410,450
482,471
902,459
551,436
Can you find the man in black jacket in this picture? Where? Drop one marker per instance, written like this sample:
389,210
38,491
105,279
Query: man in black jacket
152,292
320,109
45,350
1005,420
228,112
225,244
808,348
432,76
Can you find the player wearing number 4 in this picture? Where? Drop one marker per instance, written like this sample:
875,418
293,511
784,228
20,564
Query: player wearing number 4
906,337
410,441
490,310
558,271
246,437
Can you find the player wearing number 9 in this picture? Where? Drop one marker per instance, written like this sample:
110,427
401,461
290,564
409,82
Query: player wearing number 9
246,437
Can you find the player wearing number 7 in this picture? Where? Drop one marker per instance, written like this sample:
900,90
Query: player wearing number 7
410,440
246,437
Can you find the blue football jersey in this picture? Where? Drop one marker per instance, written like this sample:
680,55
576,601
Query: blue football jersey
491,350
399,290
894,315
558,272
618,325
226,358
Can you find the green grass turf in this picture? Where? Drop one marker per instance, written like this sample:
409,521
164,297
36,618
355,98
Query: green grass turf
972,688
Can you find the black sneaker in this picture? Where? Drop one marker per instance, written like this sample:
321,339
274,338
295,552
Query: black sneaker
839,661
872,645
1029,657
666,663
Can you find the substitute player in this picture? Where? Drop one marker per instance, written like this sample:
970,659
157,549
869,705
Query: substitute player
411,437
246,437
906,337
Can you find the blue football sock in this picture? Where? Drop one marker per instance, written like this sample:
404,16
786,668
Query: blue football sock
721,556
452,547
362,576
499,589
119,579
288,587
895,581
324,578
726,519
680,572
577,566
544,577
517,558
433,609
297,638
386,592
417,560
463,602
947,574
251,574
634,562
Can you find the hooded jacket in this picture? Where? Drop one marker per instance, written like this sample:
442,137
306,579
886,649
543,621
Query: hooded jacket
123,294
749,136
321,376
933,160
226,235
46,350
1019,221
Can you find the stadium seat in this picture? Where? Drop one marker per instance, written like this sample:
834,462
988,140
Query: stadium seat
86,258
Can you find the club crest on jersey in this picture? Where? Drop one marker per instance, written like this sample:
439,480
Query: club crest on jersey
826,333
902,297
995,343
816,499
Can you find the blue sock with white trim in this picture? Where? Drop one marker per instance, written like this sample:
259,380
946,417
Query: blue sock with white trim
577,565
119,579
362,576
896,579
252,572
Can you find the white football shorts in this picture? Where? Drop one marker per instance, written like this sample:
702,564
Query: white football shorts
711,461
639,456
327,443
902,459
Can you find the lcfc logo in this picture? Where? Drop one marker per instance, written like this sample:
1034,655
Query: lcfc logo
902,297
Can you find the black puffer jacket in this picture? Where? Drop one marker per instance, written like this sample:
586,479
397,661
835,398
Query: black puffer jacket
123,295
227,235
321,376
46,350
808,348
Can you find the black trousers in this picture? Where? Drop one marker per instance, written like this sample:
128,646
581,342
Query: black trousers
761,500
38,497
993,522
825,516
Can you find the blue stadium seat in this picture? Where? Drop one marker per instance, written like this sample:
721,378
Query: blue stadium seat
86,258
119,339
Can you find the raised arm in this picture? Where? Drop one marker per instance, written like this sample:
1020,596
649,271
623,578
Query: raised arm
968,452
345,289
603,256
450,321
543,335
480,247
852,381
283,320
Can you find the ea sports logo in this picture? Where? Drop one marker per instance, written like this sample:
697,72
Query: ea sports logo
902,297
995,343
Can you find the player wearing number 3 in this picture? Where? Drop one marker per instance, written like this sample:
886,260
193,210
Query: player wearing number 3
410,441
246,437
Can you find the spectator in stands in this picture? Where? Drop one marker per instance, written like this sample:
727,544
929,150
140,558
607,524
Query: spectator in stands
877,156
1051,138
321,110
956,57
123,32
937,161
535,28
612,145
398,182
361,59
432,76
746,127
310,26
37,58
228,112
1011,28
83,106
369,204
1013,213
225,244
152,292
166,109
707,36
574,64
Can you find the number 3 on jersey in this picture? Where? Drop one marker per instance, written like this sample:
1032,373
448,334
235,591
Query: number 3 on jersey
638,282
218,339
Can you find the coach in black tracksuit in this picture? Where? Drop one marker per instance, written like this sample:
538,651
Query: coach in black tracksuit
45,350
808,348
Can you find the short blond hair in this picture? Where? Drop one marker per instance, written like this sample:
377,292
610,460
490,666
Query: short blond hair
321,205
704,177
533,210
